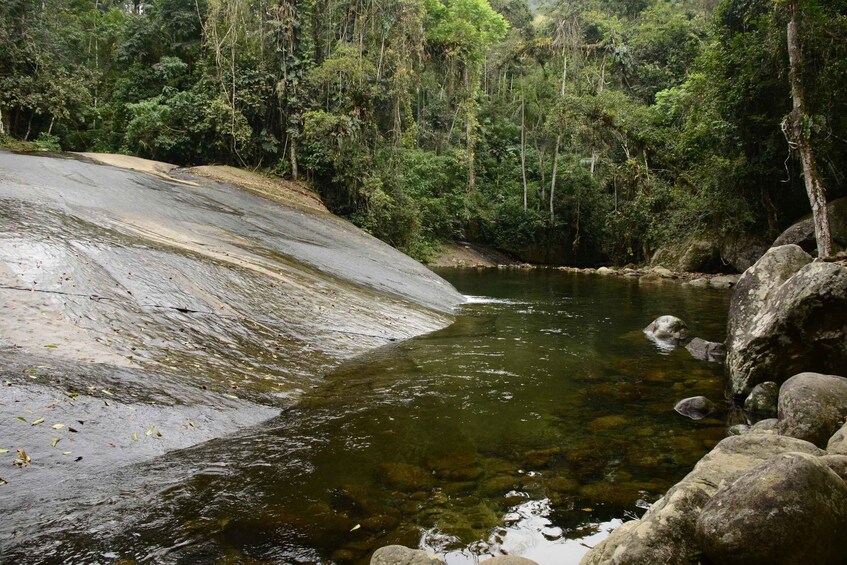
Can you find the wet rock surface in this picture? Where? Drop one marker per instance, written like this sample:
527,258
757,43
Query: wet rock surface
706,350
666,331
696,407
146,314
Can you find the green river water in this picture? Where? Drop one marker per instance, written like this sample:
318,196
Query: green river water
539,420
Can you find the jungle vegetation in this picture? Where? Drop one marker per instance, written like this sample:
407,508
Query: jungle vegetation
564,131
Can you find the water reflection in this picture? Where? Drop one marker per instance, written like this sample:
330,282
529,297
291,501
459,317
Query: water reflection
538,421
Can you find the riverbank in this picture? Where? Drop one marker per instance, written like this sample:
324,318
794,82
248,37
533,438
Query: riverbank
775,491
150,310
472,256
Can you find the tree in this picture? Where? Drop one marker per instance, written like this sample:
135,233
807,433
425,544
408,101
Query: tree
797,127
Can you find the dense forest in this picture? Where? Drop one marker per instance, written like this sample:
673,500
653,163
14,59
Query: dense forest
564,131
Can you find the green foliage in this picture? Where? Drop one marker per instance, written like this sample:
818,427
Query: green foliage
662,116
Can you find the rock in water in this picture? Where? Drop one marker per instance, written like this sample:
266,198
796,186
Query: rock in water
790,509
762,399
400,555
706,350
696,407
787,315
666,331
812,407
666,532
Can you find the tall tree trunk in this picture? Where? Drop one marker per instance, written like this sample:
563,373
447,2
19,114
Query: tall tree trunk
2,122
292,155
555,170
470,134
523,145
799,138
558,140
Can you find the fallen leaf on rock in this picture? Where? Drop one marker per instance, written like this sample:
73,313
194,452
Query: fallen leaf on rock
58,426
22,419
3,482
104,391
4,451
55,441
66,452
356,527
150,431
135,436
51,346
22,459
38,421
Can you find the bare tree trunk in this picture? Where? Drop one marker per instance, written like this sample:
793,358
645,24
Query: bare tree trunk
799,139
555,170
523,145
558,142
292,155
541,170
470,118
2,122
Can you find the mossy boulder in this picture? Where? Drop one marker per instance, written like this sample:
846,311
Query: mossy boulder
790,509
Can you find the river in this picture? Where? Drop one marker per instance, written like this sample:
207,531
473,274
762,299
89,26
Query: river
541,418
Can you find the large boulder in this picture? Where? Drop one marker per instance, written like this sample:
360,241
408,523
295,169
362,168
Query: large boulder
742,253
787,315
400,555
788,510
803,232
666,532
693,255
666,331
812,407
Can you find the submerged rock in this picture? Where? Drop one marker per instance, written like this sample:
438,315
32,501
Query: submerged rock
666,331
787,315
406,477
762,399
706,350
696,407
812,407
790,509
401,555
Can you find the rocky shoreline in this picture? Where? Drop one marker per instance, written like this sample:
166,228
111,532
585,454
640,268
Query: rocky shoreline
771,492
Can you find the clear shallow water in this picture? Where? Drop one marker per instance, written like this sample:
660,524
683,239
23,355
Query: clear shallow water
541,418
